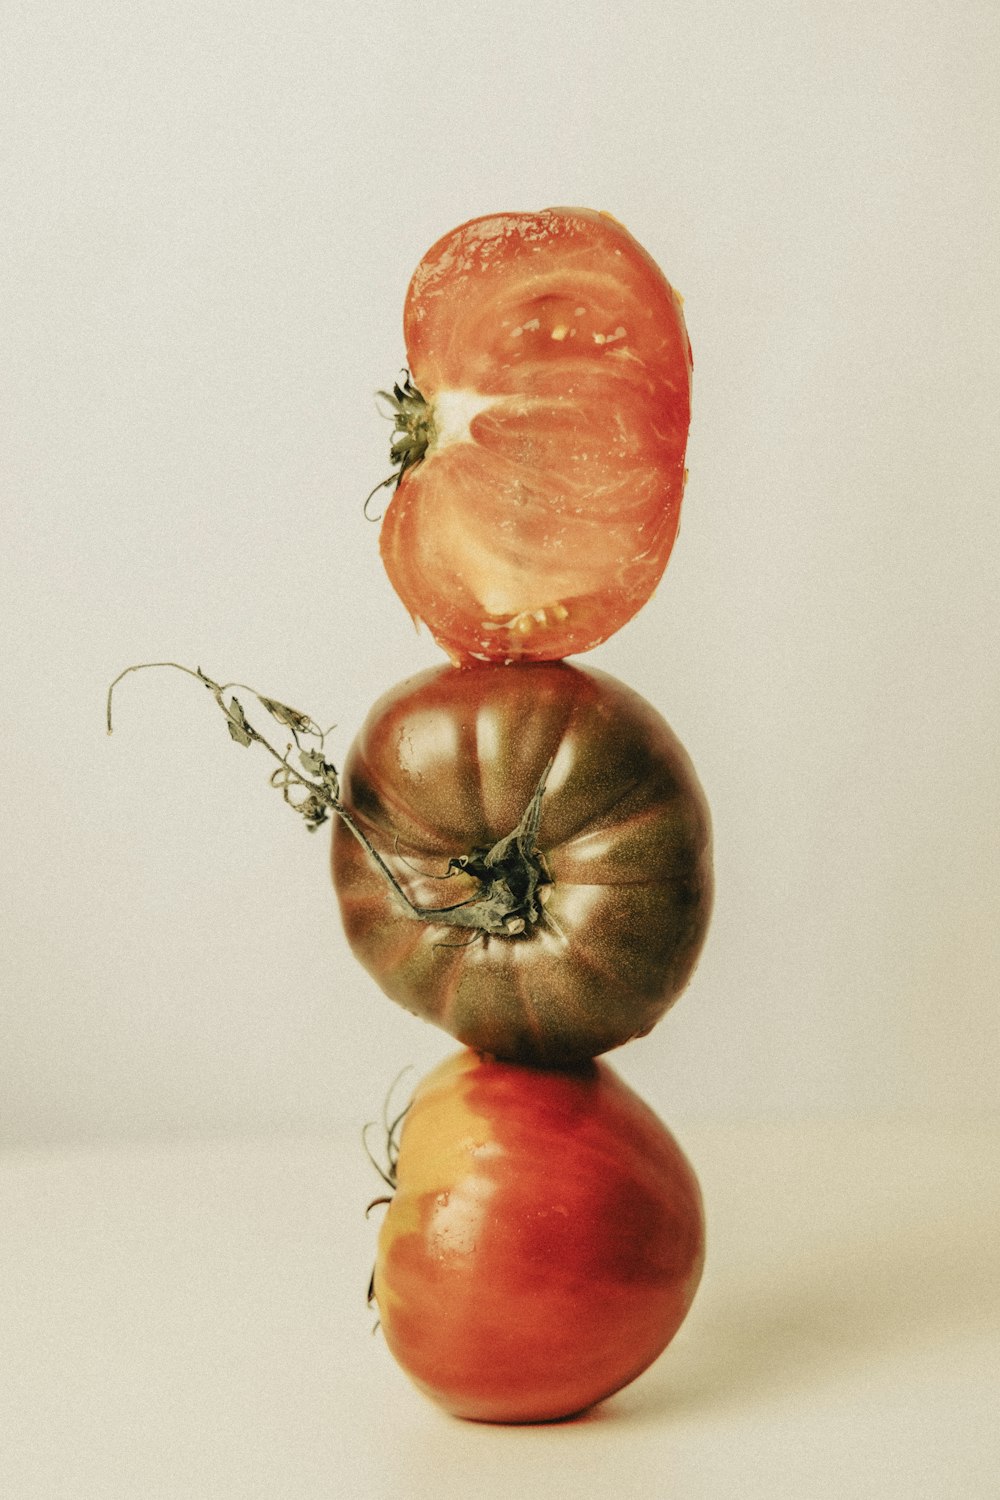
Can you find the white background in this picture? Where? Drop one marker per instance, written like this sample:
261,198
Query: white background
210,215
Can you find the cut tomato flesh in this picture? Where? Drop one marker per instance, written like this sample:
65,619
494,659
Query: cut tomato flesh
553,357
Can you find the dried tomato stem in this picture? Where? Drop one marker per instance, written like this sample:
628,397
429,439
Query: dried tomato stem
412,434
510,874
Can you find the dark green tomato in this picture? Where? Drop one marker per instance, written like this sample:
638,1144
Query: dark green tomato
550,853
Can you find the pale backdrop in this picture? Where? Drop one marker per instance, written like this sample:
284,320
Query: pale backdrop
211,212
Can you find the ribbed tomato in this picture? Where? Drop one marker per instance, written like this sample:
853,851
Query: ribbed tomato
551,838
542,438
544,1243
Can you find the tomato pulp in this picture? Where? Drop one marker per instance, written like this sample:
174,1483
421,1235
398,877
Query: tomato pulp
553,369
577,937
544,1243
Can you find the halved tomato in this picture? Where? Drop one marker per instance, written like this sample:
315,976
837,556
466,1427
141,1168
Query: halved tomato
541,435
544,1243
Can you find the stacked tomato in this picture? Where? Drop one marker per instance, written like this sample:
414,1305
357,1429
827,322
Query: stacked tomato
543,880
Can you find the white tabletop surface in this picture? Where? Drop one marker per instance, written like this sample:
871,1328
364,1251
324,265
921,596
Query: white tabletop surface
189,1320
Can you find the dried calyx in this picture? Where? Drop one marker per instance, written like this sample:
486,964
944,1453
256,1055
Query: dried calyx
511,875
412,434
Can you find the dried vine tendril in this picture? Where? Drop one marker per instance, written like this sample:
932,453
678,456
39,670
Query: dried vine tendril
390,1129
511,876
315,777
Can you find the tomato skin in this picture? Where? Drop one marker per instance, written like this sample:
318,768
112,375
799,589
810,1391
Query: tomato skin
446,763
542,518
544,1243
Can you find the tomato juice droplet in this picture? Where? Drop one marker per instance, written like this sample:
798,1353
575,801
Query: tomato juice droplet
554,365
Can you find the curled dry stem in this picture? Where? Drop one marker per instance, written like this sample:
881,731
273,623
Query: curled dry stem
510,876
391,1129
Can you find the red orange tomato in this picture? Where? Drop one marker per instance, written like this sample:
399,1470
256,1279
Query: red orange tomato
542,440
544,1243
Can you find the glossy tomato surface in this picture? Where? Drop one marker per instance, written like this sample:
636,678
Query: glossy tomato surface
443,769
545,1240
553,357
